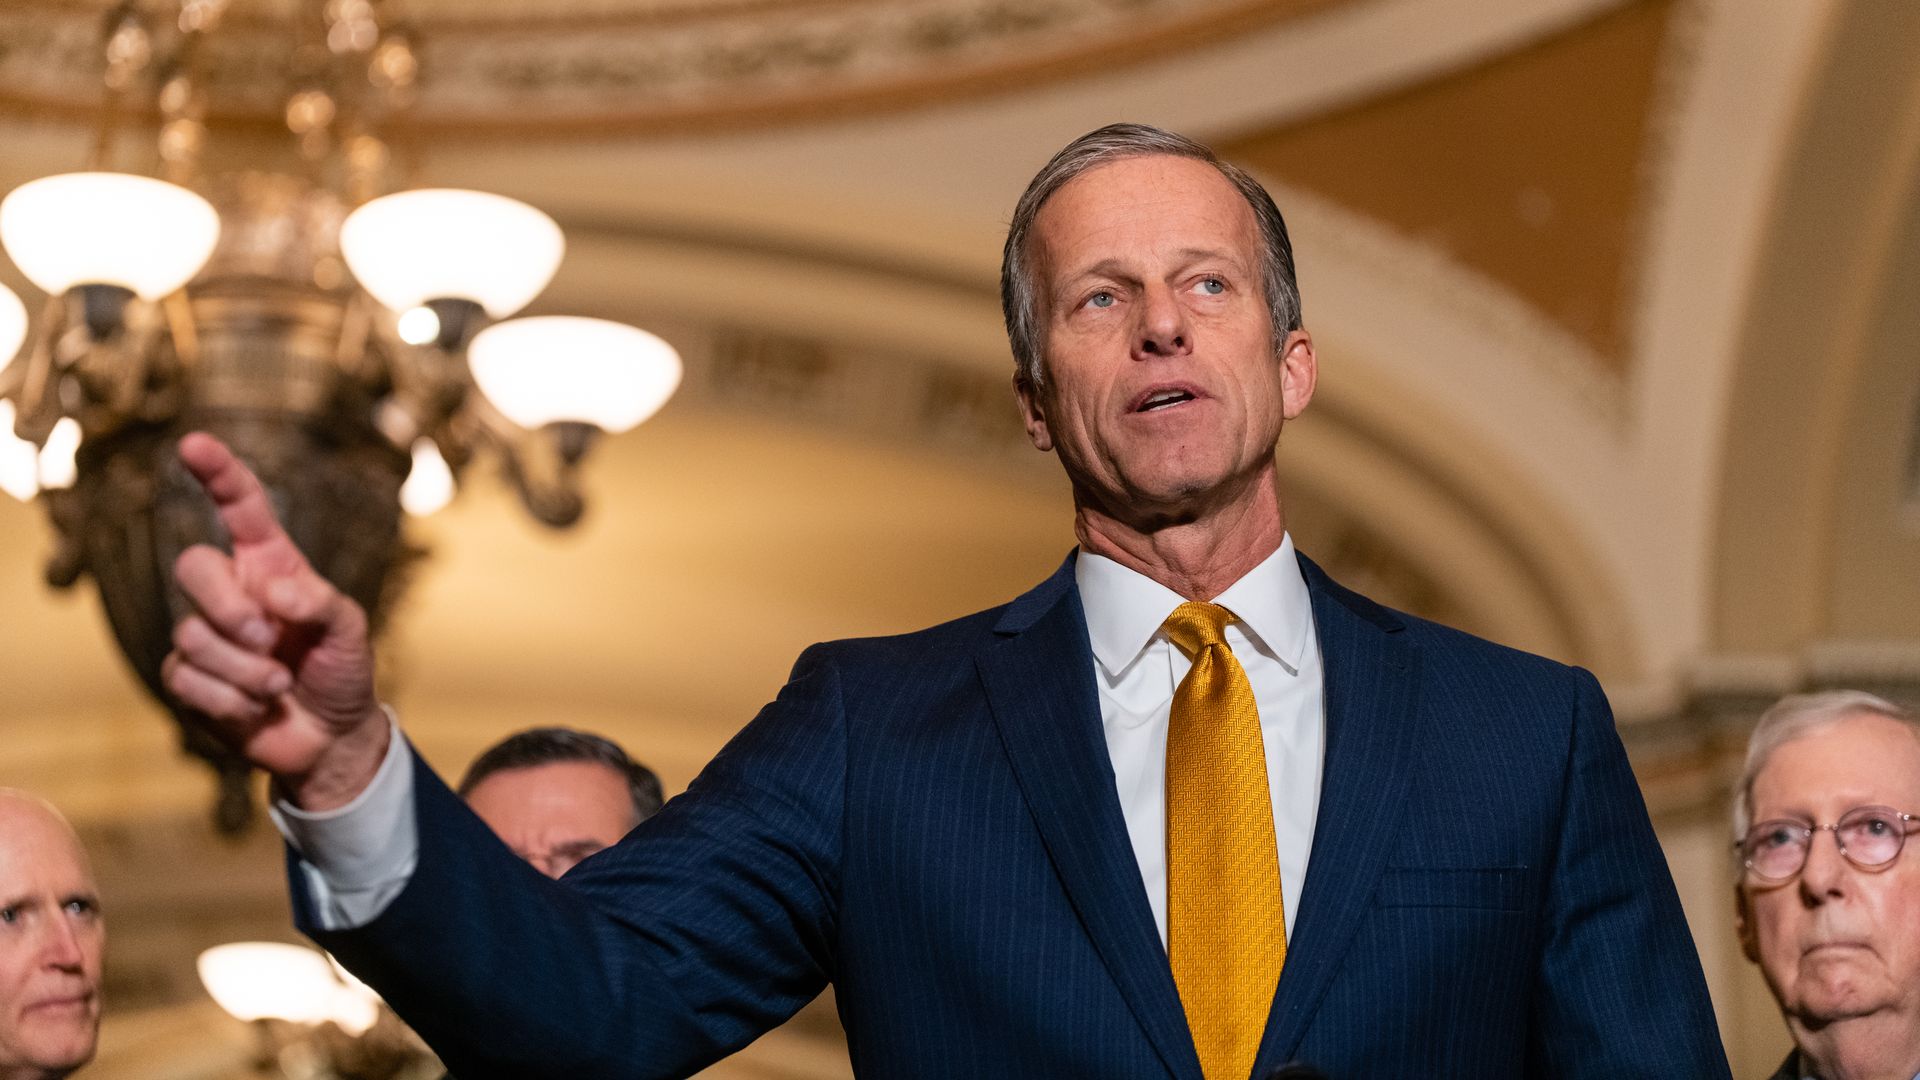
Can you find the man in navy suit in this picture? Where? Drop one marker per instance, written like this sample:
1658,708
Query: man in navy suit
983,833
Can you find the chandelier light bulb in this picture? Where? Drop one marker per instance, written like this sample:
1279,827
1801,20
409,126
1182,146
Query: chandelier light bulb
19,461
446,244
553,368
262,980
101,228
418,326
13,326
58,468
429,483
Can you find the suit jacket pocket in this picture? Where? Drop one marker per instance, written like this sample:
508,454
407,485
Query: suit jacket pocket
1502,888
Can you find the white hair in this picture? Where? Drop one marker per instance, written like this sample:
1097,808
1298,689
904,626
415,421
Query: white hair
1796,716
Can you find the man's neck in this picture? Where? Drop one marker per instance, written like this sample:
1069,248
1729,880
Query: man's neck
1197,558
1882,1046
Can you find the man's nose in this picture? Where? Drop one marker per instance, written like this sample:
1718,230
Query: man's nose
1163,329
1825,875
61,948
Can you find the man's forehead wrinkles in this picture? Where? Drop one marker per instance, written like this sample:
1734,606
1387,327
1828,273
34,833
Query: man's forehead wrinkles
1108,267
1199,254
1120,268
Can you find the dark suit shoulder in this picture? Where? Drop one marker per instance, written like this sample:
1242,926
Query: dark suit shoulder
1432,638
1440,638
953,640
953,637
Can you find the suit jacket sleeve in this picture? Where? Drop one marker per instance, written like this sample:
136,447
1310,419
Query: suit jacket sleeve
710,923
1620,991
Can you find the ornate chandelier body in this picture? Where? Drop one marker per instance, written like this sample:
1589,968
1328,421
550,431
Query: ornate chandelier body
341,376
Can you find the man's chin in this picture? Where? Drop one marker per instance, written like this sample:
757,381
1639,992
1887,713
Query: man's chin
1179,496
1836,993
65,1051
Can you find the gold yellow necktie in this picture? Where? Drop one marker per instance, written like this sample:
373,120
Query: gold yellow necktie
1226,926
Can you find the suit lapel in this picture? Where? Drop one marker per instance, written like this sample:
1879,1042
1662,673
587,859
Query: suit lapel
1370,675
1039,685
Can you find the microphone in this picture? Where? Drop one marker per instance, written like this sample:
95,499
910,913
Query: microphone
1296,1071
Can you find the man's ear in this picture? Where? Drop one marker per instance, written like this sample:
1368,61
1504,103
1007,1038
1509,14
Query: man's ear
1032,413
1299,371
1743,924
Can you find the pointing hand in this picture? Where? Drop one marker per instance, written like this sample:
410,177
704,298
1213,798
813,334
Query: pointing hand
275,655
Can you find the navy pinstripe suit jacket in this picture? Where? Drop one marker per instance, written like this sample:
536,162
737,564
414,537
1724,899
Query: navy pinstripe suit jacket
930,822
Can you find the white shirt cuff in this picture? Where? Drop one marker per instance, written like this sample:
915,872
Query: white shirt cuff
356,858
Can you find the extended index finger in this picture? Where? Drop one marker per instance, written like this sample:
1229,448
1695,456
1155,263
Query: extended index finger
237,494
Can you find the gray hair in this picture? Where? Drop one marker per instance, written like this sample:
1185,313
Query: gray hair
1019,299
1796,716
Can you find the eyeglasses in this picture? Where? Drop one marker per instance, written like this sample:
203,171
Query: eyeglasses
1870,837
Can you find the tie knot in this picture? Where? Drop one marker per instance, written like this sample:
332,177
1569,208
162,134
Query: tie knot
1194,625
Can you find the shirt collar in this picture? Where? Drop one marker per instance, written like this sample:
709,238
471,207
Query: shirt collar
1126,608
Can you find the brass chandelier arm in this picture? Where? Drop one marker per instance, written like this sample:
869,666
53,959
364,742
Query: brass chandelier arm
37,408
12,378
180,327
114,372
544,474
428,386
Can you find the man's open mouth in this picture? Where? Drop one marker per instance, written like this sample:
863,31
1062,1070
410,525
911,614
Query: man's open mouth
1162,399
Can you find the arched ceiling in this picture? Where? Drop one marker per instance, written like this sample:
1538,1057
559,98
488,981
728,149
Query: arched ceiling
1524,230
1551,250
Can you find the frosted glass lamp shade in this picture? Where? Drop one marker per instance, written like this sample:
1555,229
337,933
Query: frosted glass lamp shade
445,244
262,980
101,228
554,368
19,461
58,458
429,483
13,326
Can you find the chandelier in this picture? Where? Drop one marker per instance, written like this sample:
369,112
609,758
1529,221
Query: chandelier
354,344
311,1018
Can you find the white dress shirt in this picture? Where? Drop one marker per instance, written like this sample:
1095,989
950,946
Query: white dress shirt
357,858
1137,669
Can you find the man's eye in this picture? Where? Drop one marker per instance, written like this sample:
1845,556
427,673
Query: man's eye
1212,286
1778,838
1102,299
82,907
9,915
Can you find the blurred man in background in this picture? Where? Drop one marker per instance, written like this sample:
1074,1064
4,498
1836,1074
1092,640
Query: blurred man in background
51,938
556,795
1834,920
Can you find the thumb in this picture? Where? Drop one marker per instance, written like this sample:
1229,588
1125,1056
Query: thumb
304,598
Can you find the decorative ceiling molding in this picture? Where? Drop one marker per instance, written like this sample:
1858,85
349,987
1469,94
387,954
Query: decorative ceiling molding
1688,756
652,68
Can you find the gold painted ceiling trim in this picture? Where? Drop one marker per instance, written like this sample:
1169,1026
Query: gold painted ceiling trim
657,72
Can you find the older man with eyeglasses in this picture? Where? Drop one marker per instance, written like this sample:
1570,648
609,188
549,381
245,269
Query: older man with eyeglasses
1828,902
